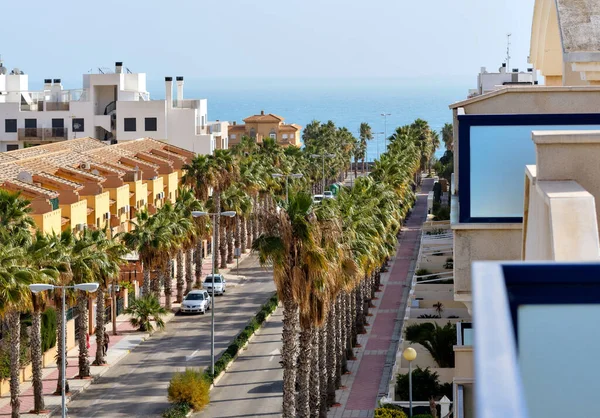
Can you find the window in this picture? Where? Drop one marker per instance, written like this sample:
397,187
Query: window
78,125
129,125
12,147
233,136
58,123
30,123
252,133
272,134
10,125
150,125
284,136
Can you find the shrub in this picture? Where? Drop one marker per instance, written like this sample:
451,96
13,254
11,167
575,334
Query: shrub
179,410
384,412
423,416
449,263
425,384
189,387
144,310
429,316
48,329
439,341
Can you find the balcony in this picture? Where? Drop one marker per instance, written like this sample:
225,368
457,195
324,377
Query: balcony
56,106
43,134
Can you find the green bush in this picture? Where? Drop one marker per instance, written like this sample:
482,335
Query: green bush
423,416
242,338
425,384
389,413
439,341
48,329
189,387
179,410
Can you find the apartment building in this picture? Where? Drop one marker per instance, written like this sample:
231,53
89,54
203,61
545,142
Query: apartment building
524,188
85,183
490,81
266,126
113,106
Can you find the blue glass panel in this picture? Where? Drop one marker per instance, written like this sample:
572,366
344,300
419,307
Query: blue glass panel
499,155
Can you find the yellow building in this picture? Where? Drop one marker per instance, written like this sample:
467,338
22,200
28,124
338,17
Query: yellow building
266,126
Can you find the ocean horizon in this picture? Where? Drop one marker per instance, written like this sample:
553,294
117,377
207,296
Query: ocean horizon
347,102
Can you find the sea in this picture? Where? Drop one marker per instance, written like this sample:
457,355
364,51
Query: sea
346,102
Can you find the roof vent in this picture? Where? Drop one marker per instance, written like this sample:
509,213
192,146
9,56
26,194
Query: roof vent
530,70
25,177
503,65
262,112
515,70
85,166
57,81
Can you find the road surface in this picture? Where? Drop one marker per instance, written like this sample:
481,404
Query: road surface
137,387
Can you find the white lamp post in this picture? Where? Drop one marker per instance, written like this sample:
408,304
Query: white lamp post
410,355
377,140
86,287
385,115
323,156
197,214
287,184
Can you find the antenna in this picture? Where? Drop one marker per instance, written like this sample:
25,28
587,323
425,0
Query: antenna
508,51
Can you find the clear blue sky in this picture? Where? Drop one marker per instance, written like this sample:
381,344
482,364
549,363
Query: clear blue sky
260,38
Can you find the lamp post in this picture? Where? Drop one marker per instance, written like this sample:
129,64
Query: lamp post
287,184
86,287
197,214
377,140
410,355
323,156
385,115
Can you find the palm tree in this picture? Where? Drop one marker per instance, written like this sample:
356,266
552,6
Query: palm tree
144,311
448,136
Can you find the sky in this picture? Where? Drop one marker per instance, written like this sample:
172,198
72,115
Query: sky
335,39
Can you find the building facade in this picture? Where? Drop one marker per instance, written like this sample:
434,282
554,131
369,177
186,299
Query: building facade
266,126
111,106
488,81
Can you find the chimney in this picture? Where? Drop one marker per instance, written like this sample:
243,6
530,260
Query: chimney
234,123
515,70
57,85
262,112
169,92
47,83
179,87
118,67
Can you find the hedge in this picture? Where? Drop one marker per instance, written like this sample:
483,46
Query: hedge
242,338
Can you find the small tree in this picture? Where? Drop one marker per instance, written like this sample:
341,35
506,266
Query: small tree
425,384
190,388
144,310
439,341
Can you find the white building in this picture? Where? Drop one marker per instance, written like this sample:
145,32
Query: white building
488,82
110,106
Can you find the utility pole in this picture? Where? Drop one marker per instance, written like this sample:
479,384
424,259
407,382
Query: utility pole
385,115
323,156
508,35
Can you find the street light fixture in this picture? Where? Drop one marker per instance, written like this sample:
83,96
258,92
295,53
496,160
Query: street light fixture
287,184
377,140
385,115
197,214
323,156
41,287
410,355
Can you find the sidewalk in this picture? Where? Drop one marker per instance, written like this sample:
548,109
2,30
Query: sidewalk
370,372
120,345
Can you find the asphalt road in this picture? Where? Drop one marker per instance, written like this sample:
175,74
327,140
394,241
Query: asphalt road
253,385
137,386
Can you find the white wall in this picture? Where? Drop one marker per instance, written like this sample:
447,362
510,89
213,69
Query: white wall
140,111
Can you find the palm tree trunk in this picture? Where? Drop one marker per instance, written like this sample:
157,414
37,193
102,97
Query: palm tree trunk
198,255
363,166
230,239
322,371
14,323
155,282
343,336
338,343
353,316
360,325
250,231
179,276
222,245
146,283
82,329
243,235
189,273
59,345
331,356
256,222
238,233
303,378
349,329
217,226
315,375
100,327
289,354
168,284
36,356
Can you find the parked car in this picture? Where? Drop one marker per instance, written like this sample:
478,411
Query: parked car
328,195
219,284
318,198
197,301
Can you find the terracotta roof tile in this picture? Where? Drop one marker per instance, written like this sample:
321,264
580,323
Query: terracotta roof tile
269,117
56,179
30,188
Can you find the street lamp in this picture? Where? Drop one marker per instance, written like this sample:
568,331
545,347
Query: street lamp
323,156
287,184
410,355
197,214
377,140
385,115
86,287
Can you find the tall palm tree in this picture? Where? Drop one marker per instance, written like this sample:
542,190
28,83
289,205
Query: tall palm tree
448,136
185,204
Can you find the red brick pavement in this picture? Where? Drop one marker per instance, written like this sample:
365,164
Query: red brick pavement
365,387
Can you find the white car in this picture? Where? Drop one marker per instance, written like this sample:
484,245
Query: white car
197,301
328,195
219,284
318,198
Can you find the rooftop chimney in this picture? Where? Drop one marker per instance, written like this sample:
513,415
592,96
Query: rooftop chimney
515,70
169,92
118,67
262,112
47,83
179,88
57,81
234,123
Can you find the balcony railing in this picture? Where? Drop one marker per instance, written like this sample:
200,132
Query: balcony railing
54,106
42,134
186,104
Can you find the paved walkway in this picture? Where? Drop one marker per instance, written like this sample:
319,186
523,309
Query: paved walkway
120,345
371,372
